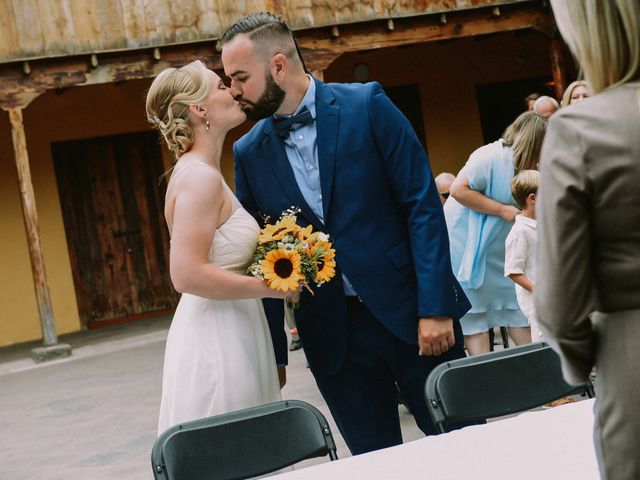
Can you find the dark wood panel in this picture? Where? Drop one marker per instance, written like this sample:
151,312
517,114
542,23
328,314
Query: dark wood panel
112,203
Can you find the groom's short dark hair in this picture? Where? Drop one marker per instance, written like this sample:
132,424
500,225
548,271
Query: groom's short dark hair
258,26
264,29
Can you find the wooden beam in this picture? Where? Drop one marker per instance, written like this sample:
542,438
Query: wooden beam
557,67
372,35
318,60
65,72
30,215
319,47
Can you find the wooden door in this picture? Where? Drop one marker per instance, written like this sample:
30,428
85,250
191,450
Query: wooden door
112,204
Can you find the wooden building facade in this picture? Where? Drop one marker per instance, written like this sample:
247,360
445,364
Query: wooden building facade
84,241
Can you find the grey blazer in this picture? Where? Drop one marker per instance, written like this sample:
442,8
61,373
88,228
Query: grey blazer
588,213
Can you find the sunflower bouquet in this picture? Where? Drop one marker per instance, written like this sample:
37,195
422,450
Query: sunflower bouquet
289,257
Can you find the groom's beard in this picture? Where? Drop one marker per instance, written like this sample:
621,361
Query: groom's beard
268,103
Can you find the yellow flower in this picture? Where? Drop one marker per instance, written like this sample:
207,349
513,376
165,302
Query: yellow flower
279,230
281,269
318,237
305,233
325,261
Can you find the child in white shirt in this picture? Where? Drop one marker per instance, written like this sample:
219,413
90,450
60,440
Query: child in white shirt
520,246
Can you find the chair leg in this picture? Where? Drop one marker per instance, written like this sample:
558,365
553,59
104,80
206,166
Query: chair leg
492,336
505,336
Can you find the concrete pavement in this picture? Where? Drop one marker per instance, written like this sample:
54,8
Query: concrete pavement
94,416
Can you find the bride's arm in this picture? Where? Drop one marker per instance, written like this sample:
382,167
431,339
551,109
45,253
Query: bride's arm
199,199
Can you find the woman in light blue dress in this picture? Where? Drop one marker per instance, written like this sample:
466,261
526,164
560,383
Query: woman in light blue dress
479,215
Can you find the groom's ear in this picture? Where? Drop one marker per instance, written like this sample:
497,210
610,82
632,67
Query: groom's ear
279,64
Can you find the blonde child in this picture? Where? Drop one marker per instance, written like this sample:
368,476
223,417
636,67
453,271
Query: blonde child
520,246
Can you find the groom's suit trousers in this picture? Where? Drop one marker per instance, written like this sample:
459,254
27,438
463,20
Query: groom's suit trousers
362,395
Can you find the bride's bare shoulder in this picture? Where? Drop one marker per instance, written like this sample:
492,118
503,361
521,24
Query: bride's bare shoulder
192,173
194,186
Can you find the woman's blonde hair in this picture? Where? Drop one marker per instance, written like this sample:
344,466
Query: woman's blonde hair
524,184
566,97
525,136
168,100
604,36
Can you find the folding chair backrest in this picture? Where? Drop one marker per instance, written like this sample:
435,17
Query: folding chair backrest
242,444
496,384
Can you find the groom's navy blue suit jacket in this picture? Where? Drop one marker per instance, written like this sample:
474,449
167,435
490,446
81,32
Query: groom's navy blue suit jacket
381,209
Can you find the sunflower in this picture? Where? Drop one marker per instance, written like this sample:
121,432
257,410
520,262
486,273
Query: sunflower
281,269
324,255
317,237
285,225
305,233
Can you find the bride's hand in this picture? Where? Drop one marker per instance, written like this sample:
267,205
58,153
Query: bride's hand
267,292
290,296
280,295
294,297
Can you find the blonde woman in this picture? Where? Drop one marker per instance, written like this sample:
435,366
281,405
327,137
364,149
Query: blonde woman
479,215
576,92
589,225
219,354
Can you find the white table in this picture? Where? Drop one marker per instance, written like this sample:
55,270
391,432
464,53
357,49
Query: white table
549,444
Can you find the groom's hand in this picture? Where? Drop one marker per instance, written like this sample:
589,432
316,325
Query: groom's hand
435,335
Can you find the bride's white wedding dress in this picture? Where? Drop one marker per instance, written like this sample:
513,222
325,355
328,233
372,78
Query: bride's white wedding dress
219,355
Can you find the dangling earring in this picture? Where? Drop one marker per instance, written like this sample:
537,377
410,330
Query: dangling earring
206,122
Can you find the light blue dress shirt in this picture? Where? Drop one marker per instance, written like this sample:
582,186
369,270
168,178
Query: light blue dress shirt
301,147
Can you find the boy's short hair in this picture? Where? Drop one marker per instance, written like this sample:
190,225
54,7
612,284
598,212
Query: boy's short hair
524,184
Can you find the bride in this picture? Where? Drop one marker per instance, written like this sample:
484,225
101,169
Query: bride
219,355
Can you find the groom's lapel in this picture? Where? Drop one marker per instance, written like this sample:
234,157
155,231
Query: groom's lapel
327,127
277,159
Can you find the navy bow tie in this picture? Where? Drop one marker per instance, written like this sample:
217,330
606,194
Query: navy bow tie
285,124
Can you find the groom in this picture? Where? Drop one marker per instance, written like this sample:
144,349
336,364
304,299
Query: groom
347,157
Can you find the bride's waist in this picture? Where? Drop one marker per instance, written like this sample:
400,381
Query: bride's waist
190,299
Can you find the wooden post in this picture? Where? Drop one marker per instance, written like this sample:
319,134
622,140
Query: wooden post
557,67
51,349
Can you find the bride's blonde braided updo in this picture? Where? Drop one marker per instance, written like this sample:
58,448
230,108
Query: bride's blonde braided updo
168,100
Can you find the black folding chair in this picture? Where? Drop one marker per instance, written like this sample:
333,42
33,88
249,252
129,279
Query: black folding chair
496,384
504,333
243,444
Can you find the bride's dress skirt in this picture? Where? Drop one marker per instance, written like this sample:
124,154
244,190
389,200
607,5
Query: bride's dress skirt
219,356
